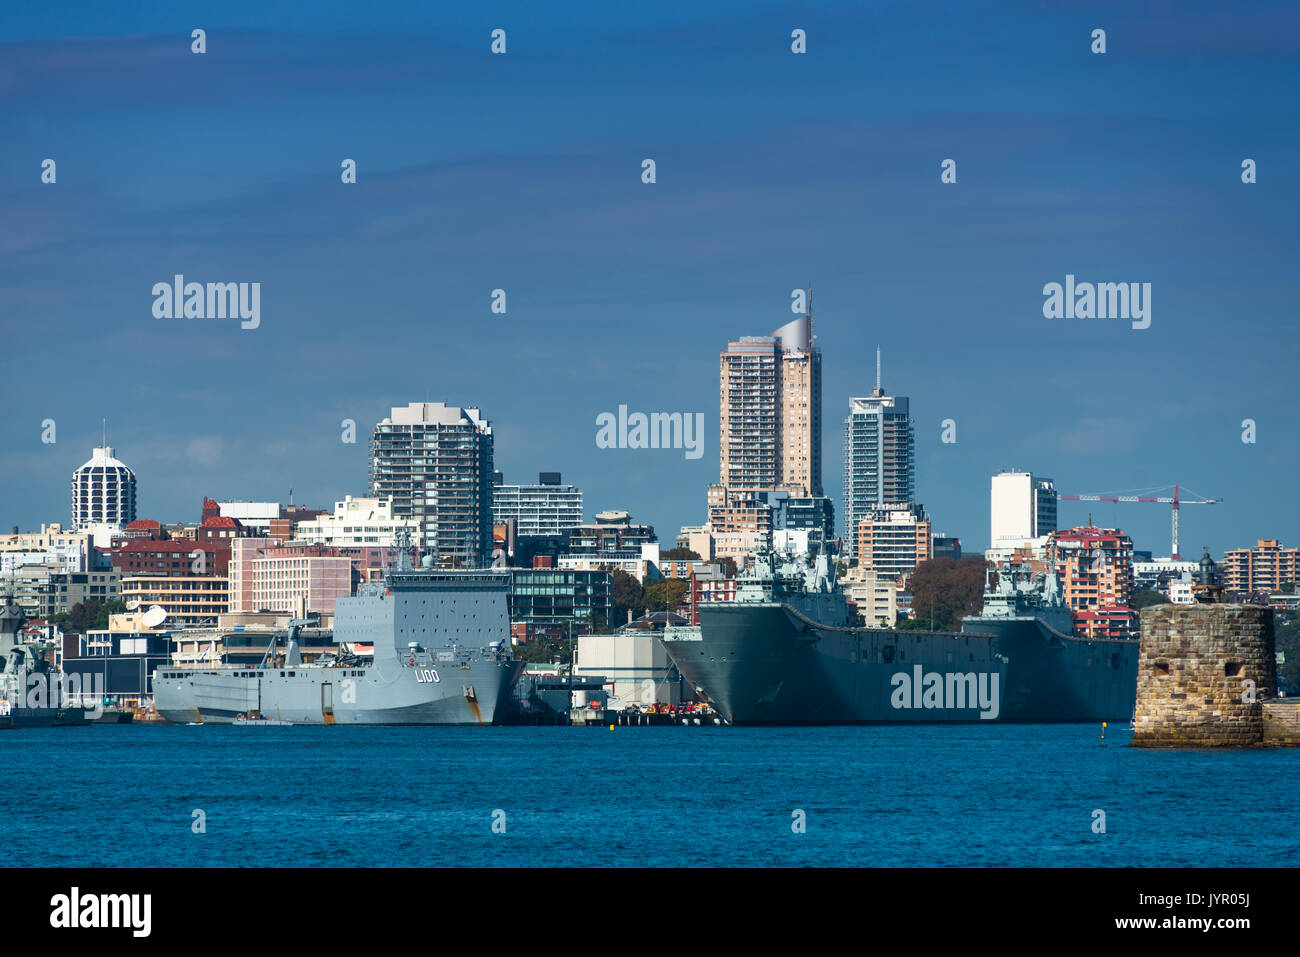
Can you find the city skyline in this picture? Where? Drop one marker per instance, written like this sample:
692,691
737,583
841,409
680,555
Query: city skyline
788,170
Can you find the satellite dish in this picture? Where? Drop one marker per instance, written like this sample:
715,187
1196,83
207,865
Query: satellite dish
154,617
133,604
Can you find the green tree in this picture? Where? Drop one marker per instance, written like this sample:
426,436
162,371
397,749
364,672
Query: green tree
665,595
1148,596
912,624
680,555
628,596
88,615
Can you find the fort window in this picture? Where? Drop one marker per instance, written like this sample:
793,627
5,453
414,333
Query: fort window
1234,669
1162,669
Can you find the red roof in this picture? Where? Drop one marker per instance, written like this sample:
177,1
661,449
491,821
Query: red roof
144,523
220,521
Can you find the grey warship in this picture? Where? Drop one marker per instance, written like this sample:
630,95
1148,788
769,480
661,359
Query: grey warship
31,693
441,656
787,650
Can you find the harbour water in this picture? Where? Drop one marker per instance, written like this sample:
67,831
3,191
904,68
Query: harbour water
953,795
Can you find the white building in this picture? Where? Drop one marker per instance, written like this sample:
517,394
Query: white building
52,545
103,491
875,594
1180,592
357,522
642,568
635,666
1031,548
1160,574
547,508
252,515
1022,506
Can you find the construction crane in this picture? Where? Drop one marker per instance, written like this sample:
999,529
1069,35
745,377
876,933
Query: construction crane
1175,502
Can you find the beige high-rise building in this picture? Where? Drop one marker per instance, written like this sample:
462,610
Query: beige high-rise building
894,539
1268,567
770,412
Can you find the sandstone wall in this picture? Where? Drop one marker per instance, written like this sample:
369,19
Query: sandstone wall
1194,665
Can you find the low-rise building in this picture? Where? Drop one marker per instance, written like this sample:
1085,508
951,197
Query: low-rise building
299,578
550,601
708,583
875,595
359,522
187,599
172,558
635,666
644,567
52,545
612,535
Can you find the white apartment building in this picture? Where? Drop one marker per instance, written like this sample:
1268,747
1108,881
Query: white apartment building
256,516
548,508
357,522
52,545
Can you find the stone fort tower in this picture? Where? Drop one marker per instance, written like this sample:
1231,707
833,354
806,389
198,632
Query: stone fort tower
1204,672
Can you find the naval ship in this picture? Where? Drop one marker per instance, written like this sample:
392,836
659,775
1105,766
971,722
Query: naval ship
787,650
31,693
441,656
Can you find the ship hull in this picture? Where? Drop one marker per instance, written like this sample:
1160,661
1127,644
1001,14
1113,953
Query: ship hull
767,664
29,718
467,694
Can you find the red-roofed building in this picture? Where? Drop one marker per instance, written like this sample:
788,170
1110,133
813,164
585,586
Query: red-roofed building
143,528
174,559
1095,568
219,529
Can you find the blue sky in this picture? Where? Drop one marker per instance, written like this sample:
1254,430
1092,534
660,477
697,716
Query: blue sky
774,170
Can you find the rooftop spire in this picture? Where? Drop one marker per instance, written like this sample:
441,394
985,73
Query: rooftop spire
879,391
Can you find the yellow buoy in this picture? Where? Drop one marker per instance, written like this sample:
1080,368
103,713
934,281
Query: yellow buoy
611,727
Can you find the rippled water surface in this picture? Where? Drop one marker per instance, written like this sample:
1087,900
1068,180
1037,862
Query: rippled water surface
881,796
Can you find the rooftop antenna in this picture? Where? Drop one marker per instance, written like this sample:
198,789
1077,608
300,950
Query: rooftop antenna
105,421
879,391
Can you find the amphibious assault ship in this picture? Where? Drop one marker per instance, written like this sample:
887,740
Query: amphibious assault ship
441,656
787,650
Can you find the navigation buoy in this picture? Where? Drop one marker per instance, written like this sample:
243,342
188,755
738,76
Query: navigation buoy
1103,734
